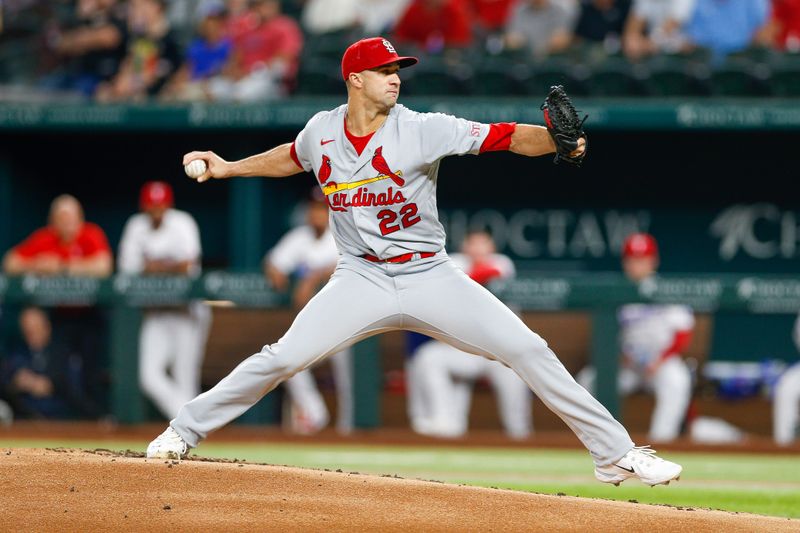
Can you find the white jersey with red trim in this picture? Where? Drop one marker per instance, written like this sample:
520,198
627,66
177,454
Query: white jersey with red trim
301,251
383,202
647,330
177,238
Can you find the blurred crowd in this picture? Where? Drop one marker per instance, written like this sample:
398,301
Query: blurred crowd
255,50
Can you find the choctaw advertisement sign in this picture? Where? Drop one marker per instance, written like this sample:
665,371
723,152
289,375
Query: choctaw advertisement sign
759,237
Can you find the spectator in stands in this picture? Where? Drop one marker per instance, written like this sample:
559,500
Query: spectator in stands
161,240
42,379
786,401
152,57
541,26
266,50
726,26
66,246
364,17
328,16
380,16
656,26
309,254
205,58
434,25
782,31
653,339
601,22
440,377
92,51
490,16
69,246
240,17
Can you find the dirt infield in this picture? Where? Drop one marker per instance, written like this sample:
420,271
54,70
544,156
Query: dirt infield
73,490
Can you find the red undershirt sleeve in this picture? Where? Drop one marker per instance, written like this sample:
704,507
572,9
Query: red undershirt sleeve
96,241
293,153
499,137
679,344
34,244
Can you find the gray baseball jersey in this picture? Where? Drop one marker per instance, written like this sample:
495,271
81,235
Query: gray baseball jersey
383,204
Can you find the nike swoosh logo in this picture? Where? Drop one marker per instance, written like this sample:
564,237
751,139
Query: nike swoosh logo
626,469
323,142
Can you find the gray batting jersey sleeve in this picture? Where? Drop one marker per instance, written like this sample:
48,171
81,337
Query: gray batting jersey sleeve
383,202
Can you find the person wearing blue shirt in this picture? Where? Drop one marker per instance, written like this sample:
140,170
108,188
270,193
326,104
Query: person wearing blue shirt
206,56
726,26
41,378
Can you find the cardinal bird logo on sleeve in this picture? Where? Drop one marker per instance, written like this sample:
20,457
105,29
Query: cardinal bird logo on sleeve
324,172
380,164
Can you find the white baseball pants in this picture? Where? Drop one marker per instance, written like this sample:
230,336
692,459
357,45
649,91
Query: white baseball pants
171,348
442,378
786,406
672,386
431,296
305,395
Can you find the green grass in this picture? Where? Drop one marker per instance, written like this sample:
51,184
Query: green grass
762,484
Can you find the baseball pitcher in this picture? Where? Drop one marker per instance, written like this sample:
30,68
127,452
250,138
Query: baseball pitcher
377,163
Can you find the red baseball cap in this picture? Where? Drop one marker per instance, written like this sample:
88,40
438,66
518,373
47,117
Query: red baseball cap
155,194
640,245
370,53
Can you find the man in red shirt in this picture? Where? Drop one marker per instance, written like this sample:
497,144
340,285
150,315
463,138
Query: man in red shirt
69,246
435,24
66,246
265,56
491,15
782,31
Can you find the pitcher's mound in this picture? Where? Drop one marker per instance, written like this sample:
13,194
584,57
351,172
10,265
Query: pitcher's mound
75,490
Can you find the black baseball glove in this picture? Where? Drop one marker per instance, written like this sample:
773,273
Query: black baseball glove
564,125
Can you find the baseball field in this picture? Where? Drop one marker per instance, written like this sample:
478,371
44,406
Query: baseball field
265,481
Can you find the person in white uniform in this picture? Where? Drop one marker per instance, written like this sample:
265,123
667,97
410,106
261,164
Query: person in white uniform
653,339
161,240
440,377
786,400
308,252
377,163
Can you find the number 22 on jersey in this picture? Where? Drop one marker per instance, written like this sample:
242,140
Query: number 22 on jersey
388,218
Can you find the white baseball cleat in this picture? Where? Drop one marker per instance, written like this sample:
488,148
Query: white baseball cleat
641,462
168,445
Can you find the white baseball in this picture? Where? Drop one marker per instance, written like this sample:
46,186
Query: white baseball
195,169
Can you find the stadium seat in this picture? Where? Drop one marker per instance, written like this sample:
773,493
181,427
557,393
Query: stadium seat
615,76
319,77
500,76
739,76
329,45
16,62
556,71
784,80
434,76
669,75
